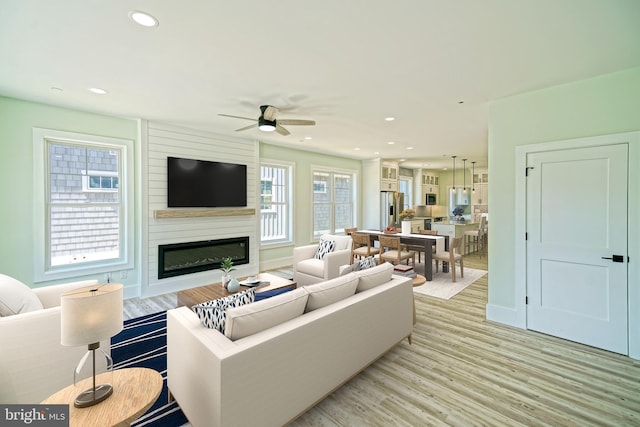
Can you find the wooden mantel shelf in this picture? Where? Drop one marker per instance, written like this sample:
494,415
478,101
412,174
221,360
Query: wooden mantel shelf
204,212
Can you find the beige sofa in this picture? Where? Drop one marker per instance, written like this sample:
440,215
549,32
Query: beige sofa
33,363
270,377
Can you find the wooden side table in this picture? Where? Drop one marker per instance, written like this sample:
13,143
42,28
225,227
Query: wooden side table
134,391
419,280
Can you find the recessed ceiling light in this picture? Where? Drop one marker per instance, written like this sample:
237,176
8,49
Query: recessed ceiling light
142,18
97,90
409,148
391,142
357,148
390,118
308,138
376,153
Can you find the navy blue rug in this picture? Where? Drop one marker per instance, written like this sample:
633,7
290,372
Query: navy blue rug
143,344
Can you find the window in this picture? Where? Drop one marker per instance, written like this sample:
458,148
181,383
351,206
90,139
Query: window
276,194
333,201
83,215
100,181
266,195
406,187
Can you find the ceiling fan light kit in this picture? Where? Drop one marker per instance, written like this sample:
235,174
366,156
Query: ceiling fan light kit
266,125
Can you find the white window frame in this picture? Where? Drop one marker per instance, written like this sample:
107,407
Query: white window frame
89,174
43,271
354,187
408,195
289,192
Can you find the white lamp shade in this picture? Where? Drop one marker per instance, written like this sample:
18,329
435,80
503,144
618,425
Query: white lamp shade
91,314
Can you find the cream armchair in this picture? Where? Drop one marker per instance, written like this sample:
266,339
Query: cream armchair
33,363
308,270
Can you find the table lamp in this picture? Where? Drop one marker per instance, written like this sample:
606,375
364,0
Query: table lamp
88,316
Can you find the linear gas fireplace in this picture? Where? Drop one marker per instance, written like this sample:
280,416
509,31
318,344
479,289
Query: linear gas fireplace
191,257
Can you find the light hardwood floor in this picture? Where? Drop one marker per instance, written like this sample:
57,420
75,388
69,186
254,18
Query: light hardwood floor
465,371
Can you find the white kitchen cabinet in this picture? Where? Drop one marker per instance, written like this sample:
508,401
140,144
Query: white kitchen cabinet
481,184
389,176
430,185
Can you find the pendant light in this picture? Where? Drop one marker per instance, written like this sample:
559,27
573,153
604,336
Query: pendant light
473,174
464,176
453,188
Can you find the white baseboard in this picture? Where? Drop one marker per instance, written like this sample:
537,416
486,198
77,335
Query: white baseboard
505,315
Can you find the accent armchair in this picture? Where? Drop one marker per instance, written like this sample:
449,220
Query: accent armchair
308,270
33,363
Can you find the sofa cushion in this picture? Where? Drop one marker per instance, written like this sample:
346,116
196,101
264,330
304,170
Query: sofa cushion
372,277
312,267
324,247
249,319
330,291
341,242
16,297
213,313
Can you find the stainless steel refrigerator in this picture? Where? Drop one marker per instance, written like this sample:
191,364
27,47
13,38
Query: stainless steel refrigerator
391,204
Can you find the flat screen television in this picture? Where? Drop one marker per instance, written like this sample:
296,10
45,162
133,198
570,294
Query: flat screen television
205,184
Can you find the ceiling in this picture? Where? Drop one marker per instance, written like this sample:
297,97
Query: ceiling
434,65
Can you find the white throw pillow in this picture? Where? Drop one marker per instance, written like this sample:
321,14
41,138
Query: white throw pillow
213,313
330,291
341,242
249,319
16,297
324,247
372,277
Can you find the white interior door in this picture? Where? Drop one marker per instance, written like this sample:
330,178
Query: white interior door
576,222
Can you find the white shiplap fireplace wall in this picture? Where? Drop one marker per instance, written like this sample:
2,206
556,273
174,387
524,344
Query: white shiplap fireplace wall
164,141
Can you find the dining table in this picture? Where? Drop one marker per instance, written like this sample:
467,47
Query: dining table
426,240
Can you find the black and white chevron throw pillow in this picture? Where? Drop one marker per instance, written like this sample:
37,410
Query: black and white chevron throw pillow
324,247
213,314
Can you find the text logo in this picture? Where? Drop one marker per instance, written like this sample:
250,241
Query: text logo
34,415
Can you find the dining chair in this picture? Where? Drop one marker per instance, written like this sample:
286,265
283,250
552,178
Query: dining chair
392,251
419,249
350,230
475,238
361,247
453,255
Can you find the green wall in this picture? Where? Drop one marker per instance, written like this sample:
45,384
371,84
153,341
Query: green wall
17,119
603,105
302,199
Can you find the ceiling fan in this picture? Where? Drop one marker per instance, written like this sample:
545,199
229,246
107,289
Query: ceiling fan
267,121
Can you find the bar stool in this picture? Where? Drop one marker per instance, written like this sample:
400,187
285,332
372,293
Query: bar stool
474,238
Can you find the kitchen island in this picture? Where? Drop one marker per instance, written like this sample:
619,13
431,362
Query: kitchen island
454,228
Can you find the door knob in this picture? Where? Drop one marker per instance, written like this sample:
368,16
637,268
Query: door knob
615,258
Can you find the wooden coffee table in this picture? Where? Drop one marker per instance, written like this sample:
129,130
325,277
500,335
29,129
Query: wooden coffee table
193,296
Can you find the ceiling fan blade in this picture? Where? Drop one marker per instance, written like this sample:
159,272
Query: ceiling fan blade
281,130
297,122
270,112
238,117
255,125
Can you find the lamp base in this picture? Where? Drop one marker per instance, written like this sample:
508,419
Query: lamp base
92,396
